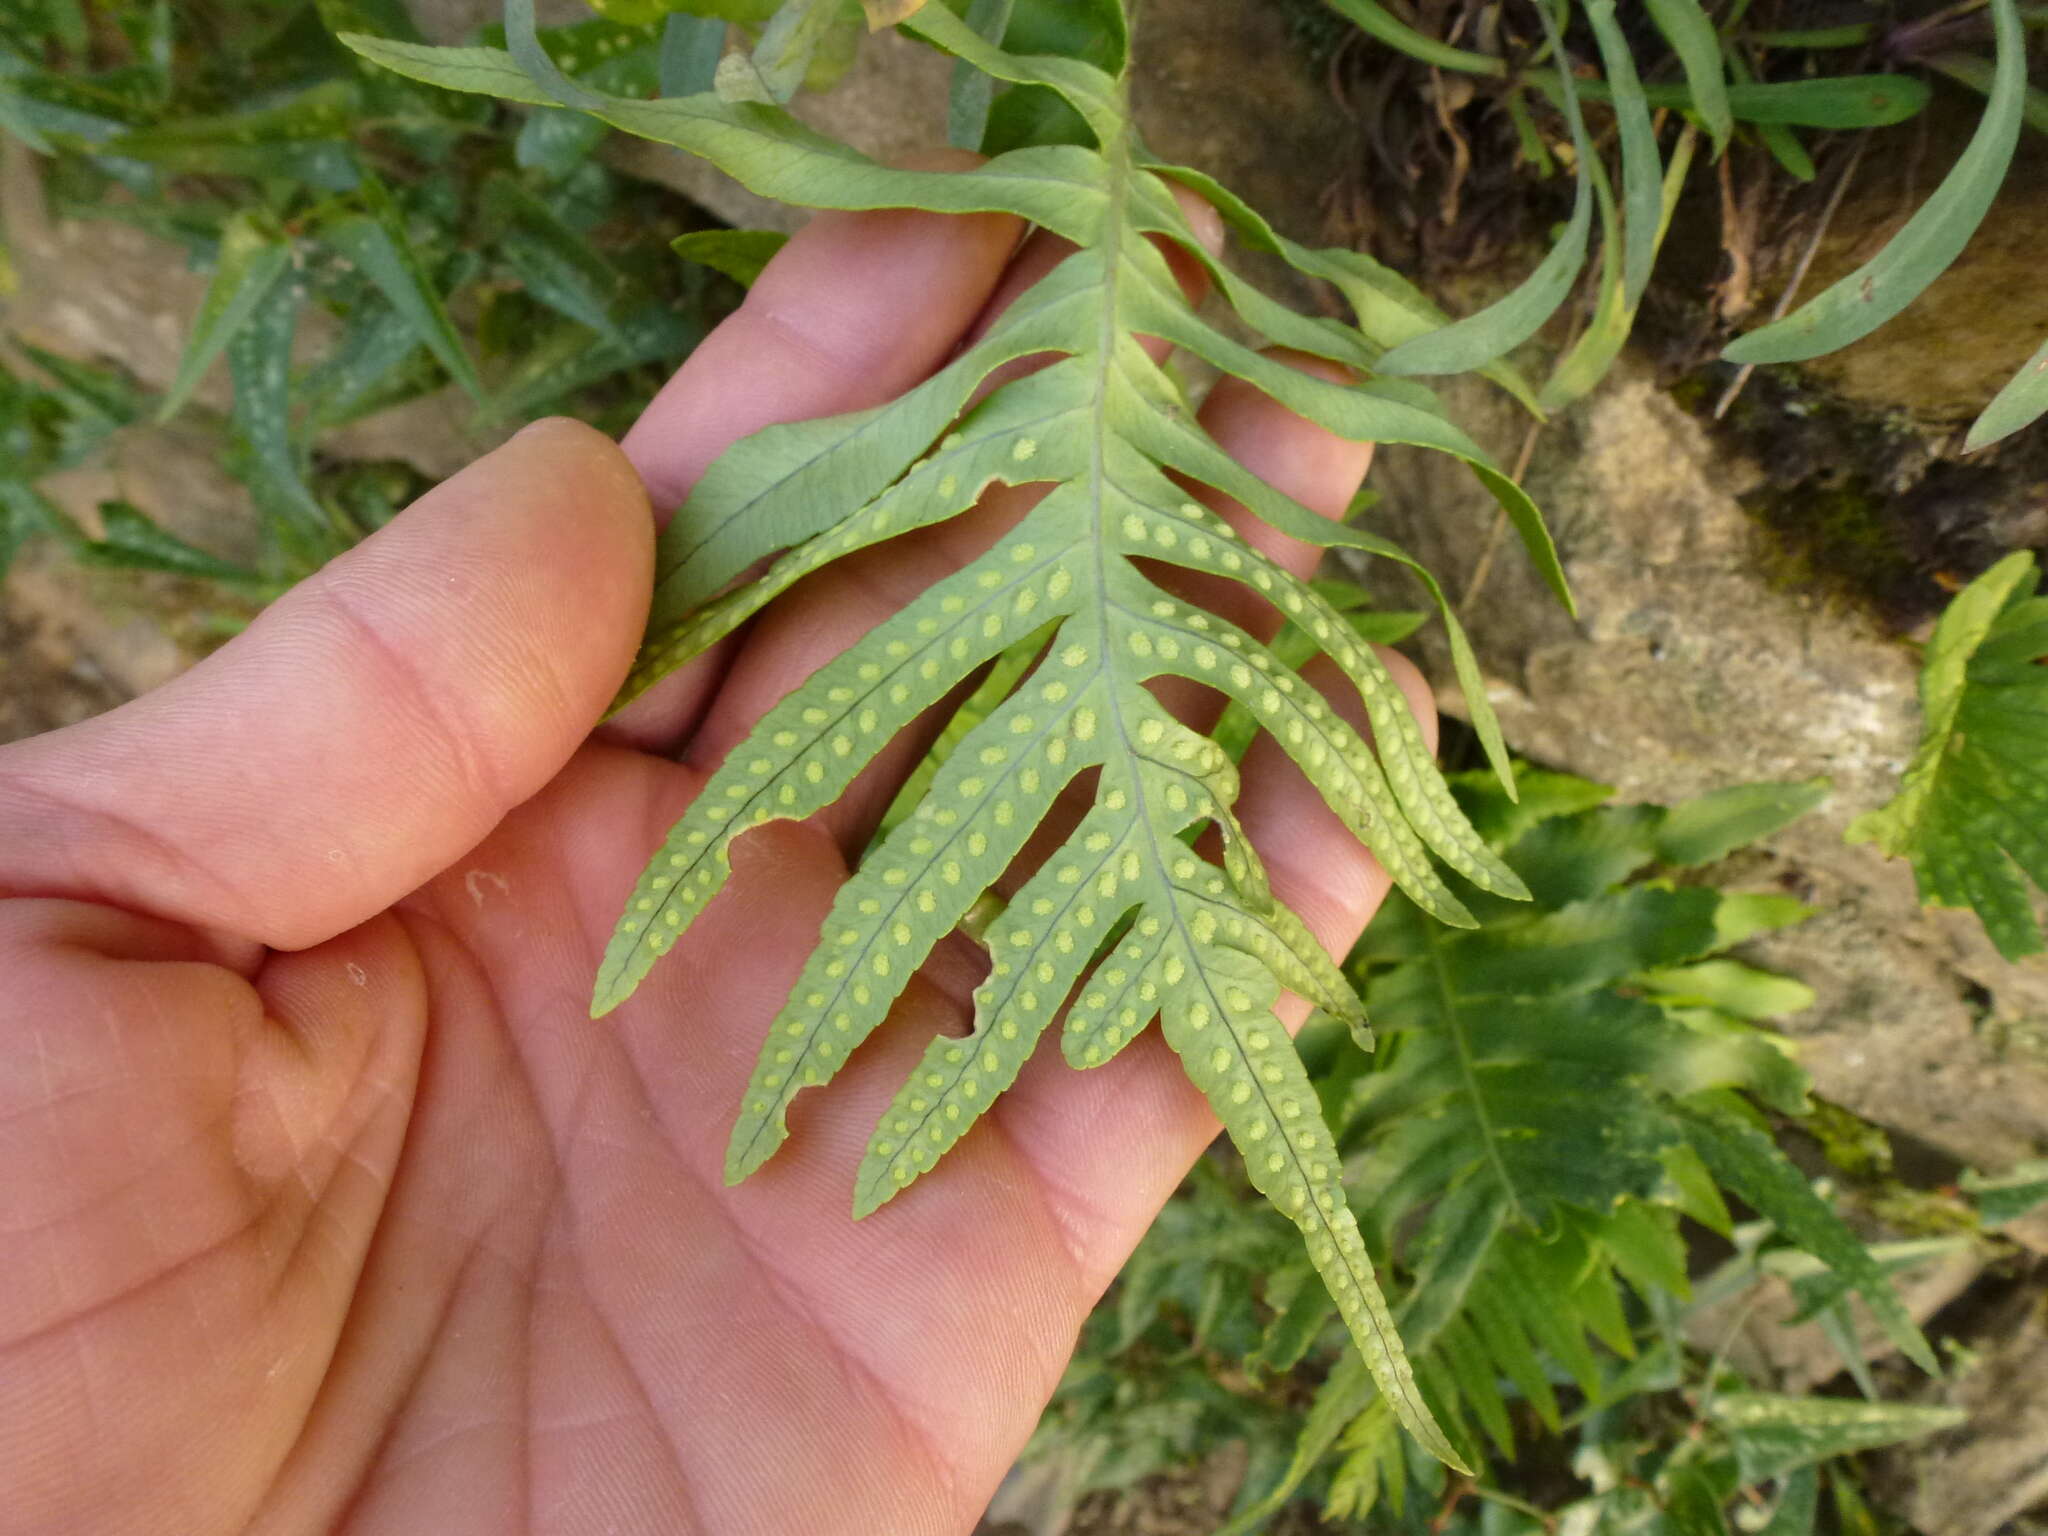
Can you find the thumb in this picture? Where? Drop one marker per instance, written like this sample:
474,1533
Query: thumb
370,726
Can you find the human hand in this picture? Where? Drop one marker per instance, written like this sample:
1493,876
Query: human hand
326,1207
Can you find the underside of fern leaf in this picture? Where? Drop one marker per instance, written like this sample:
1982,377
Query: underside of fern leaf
1124,922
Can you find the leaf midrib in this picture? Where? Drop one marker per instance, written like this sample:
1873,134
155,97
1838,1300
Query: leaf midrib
1468,1071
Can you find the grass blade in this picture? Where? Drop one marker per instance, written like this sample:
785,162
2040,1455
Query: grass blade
1505,324
251,260
1931,239
1692,37
1376,21
1642,171
2023,400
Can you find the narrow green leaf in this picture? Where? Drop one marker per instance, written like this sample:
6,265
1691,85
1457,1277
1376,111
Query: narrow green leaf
1389,310
366,369
555,141
739,253
1692,1499
1712,826
1851,35
1642,170
690,49
1691,34
1478,1385
1301,1310
1378,22
1836,102
1744,1159
1930,241
569,358
1798,1504
1775,1435
973,90
1498,1322
252,258
130,539
554,263
376,242
259,362
18,117
24,513
2019,404
1580,369
94,402
1981,76
778,63
484,71
305,133
1508,322
1614,317
1787,150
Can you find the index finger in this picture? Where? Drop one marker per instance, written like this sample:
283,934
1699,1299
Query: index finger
855,310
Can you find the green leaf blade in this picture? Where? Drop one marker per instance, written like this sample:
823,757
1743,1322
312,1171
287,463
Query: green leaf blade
1691,34
1930,241
251,260
2023,401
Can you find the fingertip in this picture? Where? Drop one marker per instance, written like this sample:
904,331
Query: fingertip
568,518
604,478
1203,218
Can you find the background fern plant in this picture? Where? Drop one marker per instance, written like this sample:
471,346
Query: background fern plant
1558,1094
1972,814
1125,920
370,240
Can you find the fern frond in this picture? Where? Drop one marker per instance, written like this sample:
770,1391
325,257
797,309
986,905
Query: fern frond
1972,813
1202,947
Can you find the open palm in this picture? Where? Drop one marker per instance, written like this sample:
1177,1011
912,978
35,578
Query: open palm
324,1205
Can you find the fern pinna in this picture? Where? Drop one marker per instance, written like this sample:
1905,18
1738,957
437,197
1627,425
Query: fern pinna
1124,921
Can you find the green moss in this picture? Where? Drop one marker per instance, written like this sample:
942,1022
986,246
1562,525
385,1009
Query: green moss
1850,1142
1838,538
1922,1212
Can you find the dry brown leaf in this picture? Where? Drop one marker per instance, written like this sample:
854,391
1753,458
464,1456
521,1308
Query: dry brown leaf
886,13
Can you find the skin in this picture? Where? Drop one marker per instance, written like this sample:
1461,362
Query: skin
326,1208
